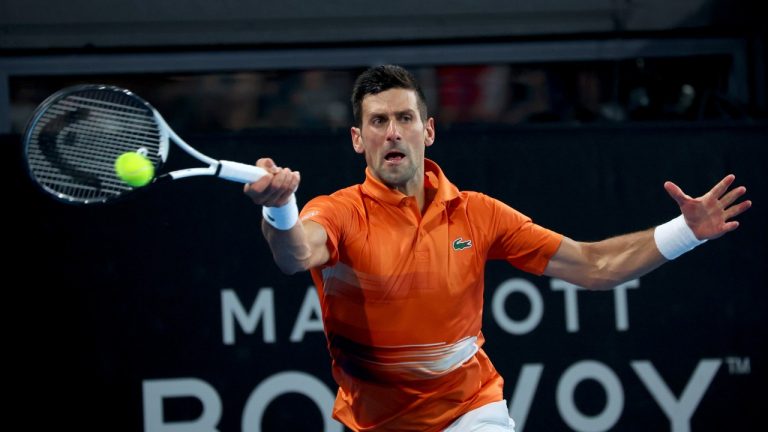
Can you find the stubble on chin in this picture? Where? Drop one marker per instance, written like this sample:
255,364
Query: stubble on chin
399,178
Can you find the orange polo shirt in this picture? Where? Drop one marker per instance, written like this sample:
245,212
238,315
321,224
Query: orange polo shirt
402,298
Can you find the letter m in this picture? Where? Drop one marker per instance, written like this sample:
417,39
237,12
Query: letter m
263,309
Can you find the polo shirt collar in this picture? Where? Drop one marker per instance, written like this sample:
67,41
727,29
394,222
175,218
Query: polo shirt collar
433,179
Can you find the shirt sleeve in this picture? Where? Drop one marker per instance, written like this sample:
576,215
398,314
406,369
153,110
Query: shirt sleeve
518,240
329,212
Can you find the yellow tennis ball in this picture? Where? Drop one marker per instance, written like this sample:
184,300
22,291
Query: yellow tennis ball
134,169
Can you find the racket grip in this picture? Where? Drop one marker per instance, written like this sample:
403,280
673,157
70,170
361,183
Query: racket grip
240,172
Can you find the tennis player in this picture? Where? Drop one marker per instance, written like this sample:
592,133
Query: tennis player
398,263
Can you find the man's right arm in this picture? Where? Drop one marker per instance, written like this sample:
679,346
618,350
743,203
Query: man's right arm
303,245
299,248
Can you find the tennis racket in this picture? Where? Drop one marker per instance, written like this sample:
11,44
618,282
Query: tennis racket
74,137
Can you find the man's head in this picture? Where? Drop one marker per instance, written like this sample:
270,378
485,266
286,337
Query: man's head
392,130
381,78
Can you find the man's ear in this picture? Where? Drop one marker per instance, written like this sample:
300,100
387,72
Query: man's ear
429,128
357,139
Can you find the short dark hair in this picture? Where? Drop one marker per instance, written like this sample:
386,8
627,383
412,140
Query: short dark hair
381,78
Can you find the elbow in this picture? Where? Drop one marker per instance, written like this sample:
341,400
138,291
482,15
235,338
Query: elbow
601,276
291,266
590,283
584,268
291,269
597,284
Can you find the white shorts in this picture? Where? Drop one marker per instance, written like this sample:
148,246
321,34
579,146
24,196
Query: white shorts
493,417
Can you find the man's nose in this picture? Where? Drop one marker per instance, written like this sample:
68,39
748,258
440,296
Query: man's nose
393,131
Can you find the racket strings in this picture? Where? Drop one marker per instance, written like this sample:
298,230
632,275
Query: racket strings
73,145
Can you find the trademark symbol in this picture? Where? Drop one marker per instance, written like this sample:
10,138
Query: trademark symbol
738,365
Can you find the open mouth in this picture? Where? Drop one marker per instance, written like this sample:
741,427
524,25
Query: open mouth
394,156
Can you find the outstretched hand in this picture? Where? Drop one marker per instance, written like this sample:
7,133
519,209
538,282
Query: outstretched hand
709,215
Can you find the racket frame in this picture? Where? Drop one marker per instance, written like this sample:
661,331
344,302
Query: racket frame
228,170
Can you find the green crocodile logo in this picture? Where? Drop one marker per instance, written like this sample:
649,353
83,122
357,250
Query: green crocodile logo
458,244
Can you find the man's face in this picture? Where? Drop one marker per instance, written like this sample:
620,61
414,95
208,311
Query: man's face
393,137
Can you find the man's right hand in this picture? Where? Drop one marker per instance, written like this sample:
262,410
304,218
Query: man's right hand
275,188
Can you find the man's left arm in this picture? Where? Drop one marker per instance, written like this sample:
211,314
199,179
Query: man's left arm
607,263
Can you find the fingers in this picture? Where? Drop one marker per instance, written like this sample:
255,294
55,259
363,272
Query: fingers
274,189
730,226
258,186
283,185
267,163
710,215
717,192
727,199
676,193
722,186
732,196
736,210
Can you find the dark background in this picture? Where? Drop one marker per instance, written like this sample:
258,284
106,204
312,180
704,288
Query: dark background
122,293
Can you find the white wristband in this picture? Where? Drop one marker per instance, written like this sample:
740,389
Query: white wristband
675,238
283,217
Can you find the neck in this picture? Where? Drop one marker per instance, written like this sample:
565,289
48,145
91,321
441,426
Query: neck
415,190
413,187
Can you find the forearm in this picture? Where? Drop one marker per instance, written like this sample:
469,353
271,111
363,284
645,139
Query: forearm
619,259
290,248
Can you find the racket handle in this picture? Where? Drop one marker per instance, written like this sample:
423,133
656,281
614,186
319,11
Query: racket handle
240,172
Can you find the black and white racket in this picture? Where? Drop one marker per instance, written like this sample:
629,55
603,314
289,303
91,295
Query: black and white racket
75,136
